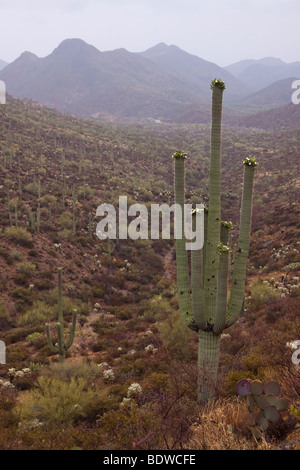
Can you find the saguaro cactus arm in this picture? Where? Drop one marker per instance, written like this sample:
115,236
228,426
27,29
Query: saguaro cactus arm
72,331
183,282
224,255
197,282
241,254
53,348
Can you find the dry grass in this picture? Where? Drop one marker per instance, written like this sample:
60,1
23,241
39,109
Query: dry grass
222,426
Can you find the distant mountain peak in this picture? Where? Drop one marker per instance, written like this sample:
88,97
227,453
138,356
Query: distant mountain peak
28,55
158,49
73,45
70,42
271,61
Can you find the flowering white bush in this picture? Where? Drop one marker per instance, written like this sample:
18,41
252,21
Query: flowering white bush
18,373
6,384
30,425
134,390
108,375
149,332
151,348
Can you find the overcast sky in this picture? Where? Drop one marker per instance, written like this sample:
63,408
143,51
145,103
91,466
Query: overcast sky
221,31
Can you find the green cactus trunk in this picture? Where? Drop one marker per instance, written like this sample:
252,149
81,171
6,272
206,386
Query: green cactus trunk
62,346
208,311
208,364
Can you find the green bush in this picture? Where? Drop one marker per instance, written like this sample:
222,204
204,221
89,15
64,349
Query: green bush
54,401
262,294
68,370
23,297
26,268
5,317
19,235
64,220
38,314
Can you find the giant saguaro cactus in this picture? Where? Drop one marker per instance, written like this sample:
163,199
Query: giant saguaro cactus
61,346
208,311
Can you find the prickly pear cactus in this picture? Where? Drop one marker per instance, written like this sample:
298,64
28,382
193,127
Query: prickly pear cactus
263,404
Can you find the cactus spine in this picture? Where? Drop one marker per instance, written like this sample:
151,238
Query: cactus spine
209,312
61,346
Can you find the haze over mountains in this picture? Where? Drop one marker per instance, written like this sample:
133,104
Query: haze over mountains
262,73
3,64
163,82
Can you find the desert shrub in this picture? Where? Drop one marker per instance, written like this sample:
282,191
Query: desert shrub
135,367
17,334
129,424
116,280
85,192
104,327
87,371
65,234
155,309
262,294
5,318
55,401
31,188
101,403
255,361
33,336
17,255
6,255
47,199
39,313
98,290
16,354
177,337
122,313
64,220
7,403
100,345
26,268
19,235
151,260
23,297
156,383
68,304
43,283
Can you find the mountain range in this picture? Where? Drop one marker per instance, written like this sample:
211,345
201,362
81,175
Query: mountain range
258,74
163,82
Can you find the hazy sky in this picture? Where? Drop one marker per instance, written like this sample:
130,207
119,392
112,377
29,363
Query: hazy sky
221,31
